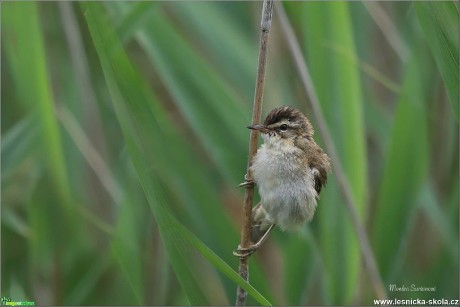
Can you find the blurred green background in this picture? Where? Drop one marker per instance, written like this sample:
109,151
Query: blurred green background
123,138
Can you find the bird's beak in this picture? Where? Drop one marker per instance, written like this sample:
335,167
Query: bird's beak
260,128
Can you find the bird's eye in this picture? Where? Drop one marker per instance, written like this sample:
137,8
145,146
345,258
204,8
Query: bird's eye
283,127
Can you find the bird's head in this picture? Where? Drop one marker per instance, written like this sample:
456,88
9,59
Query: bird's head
284,123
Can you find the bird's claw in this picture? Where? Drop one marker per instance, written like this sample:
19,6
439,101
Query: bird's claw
244,252
248,182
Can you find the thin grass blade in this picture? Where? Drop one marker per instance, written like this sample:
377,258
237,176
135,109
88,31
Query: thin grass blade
120,77
337,82
405,168
439,21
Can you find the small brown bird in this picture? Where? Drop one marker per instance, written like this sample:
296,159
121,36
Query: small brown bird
290,170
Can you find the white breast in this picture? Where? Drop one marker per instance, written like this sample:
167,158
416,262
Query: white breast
286,186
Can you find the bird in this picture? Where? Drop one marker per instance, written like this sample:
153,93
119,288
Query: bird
290,169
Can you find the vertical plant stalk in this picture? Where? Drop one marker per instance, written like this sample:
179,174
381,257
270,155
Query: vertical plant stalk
82,75
265,25
388,29
344,186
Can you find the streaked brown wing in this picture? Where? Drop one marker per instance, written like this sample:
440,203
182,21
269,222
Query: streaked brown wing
317,159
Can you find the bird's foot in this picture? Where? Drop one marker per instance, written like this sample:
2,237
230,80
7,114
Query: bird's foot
248,182
245,252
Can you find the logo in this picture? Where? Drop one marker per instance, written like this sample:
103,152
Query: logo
412,288
7,301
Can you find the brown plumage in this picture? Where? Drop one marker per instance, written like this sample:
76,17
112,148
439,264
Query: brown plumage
290,170
304,140
316,159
